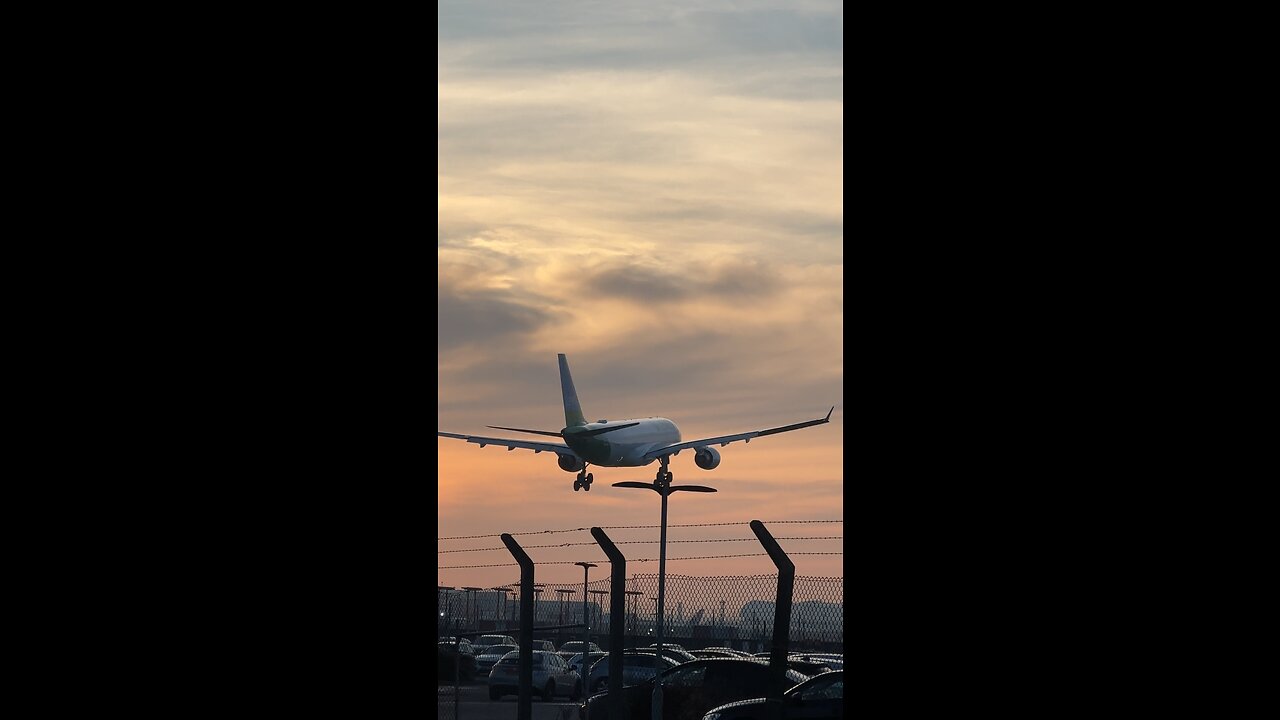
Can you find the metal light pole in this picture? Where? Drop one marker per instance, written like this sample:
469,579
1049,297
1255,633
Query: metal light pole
442,598
586,626
599,610
662,485
471,606
632,624
564,593
501,616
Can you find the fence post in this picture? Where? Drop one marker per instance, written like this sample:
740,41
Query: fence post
781,616
617,608
524,703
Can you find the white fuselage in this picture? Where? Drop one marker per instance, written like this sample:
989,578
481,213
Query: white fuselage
625,447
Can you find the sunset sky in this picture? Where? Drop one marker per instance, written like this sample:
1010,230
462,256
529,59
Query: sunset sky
655,190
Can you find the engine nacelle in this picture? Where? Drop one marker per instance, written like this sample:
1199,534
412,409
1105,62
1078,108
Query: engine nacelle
707,458
569,463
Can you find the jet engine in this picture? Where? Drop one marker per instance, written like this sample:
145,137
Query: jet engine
570,463
707,458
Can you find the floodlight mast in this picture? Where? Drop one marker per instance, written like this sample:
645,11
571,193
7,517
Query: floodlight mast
662,485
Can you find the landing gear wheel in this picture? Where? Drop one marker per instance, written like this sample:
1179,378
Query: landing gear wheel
586,484
577,485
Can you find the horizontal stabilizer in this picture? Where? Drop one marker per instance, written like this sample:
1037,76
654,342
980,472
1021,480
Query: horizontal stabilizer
535,432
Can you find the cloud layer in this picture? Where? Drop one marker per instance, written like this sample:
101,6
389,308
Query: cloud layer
654,189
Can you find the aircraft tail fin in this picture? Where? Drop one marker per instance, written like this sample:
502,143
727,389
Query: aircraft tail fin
572,410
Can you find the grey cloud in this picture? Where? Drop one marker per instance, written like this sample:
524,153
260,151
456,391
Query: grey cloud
469,319
734,279
645,285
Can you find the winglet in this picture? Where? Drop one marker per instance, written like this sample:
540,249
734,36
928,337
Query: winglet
572,409
833,409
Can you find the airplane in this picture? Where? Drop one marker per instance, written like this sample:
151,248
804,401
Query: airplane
634,442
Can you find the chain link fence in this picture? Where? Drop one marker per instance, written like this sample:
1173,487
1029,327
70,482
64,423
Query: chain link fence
731,611
699,612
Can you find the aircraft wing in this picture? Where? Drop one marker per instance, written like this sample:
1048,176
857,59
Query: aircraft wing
537,447
726,439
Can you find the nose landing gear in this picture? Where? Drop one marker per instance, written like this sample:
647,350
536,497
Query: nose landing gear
584,480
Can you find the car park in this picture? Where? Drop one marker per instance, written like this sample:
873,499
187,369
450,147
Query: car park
674,652
666,645
691,689
574,647
835,662
551,676
807,666
491,655
731,651
452,655
637,667
712,654
821,697
485,641
575,662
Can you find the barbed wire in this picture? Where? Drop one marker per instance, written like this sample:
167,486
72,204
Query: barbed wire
677,576
639,527
630,560
643,542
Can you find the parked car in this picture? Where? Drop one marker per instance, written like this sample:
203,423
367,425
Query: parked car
574,647
690,689
575,662
450,656
491,655
807,666
672,651
804,664
821,697
835,662
484,641
712,654
637,667
667,645
736,653
551,676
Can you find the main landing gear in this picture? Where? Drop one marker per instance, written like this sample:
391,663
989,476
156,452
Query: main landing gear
584,480
664,475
